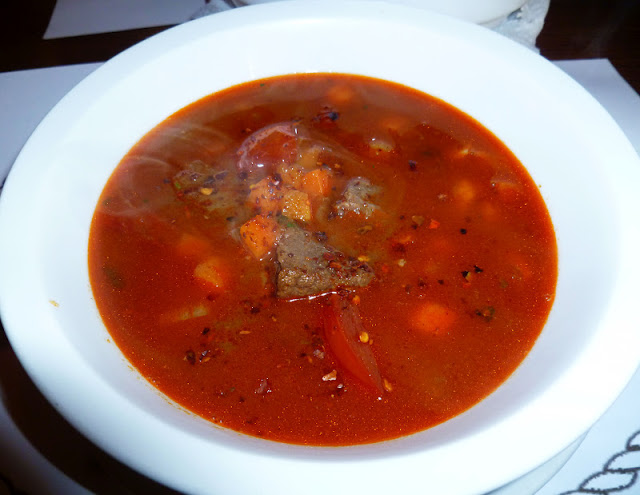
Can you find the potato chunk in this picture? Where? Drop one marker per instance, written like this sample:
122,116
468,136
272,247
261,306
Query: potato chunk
210,272
296,205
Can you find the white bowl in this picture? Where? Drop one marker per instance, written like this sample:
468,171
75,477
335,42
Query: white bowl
588,173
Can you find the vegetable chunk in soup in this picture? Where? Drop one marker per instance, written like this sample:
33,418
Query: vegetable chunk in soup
323,259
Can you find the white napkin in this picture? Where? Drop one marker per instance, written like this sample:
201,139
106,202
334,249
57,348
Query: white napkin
524,25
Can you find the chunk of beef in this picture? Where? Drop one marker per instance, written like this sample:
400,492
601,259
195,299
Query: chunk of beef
209,188
307,267
356,198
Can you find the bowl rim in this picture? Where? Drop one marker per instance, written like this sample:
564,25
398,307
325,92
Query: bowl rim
116,72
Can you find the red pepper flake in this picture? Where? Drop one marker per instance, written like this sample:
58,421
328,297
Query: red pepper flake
434,224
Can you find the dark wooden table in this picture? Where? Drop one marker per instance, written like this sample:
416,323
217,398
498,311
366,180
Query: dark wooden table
574,29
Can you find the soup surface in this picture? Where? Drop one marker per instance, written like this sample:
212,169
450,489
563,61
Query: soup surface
323,259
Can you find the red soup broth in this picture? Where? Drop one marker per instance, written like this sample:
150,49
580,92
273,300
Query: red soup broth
323,259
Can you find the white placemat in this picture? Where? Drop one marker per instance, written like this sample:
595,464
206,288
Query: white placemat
81,17
606,463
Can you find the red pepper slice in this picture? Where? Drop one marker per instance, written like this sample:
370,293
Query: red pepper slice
342,330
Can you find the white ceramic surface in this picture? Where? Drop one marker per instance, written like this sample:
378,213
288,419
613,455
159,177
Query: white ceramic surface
587,170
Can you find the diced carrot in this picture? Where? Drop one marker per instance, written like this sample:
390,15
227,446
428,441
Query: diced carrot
192,246
317,182
210,272
464,191
265,195
433,318
291,174
259,235
340,94
296,205
396,123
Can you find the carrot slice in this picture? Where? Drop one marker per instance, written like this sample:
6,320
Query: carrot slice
317,182
210,272
192,246
343,330
434,318
259,235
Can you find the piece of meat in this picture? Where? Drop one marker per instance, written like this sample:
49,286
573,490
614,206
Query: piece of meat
208,188
306,267
266,148
356,198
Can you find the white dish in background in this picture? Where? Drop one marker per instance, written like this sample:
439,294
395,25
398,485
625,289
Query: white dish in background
587,170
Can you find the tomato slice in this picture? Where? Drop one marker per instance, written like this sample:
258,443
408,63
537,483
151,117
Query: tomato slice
342,329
